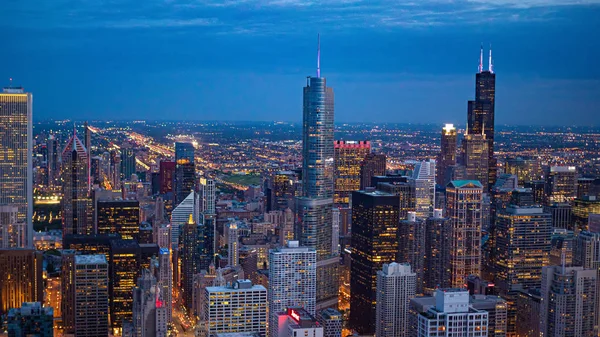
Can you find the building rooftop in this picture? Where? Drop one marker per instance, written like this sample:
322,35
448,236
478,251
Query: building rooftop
466,184
90,259
524,210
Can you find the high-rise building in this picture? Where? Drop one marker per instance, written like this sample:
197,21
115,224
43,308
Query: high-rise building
283,190
13,234
582,208
118,217
348,155
528,312
127,163
185,170
241,307
89,280
16,153
292,279
524,169
314,206
497,309
331,321
233,245
463,209
208,196
193,257
437,238
374,243
373,165
561,183
447,157
181,214
406,194
475,159
424,182
523,246
561,214
149,307
538,190
76,204
164,275
53,160
412,248
449,315
166,175
481,116
396,285
20,278
31,320
586,254
568,305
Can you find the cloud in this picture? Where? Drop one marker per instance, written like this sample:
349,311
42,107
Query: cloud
277,16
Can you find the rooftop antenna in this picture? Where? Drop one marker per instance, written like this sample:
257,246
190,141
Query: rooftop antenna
481,59
490,61
10,79
318,55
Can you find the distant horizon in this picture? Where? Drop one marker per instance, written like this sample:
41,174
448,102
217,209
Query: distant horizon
457,125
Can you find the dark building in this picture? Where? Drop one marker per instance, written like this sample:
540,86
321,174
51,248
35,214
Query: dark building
561,183
348,156
20,278
481,114
31,320
588,187
185,170
524,169
374,243
437,236
447,157
167,176
119,217
127,163
538,189
145,235
390,178
90,244
562,215
127,259
581,210
406,196
192,251
95,170
411,244
373,165
283,190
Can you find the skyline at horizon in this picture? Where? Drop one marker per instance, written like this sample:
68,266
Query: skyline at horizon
418,72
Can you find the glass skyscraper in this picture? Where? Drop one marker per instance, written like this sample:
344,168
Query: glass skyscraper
314,207
16,170
185,170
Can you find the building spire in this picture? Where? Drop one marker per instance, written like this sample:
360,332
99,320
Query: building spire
481,59
318,55
490,61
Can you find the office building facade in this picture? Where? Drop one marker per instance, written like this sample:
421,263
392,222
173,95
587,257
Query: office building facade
396,285
348,155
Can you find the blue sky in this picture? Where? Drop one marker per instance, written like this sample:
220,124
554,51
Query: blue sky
247,60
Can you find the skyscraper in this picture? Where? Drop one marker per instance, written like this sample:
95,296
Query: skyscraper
233,256
314,207
587,255
373,165
193,258
89,280
76,203
463,208
118,217
127,163
240,307
481,113
568,305
396,285
166,175
13,234
474,163
53,162
207,196
374,243
411,246
447,157
149,307
185,170
20,278
16,152
292,279
331,321
181,214
424,182
561,183
348,157
437,238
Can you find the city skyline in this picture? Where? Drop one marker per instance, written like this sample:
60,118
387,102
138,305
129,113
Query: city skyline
188,66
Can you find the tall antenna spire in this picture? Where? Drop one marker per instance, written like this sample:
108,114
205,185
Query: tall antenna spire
481,59
490,61
318,55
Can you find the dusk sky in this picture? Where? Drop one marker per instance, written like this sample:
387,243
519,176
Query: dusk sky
388,61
